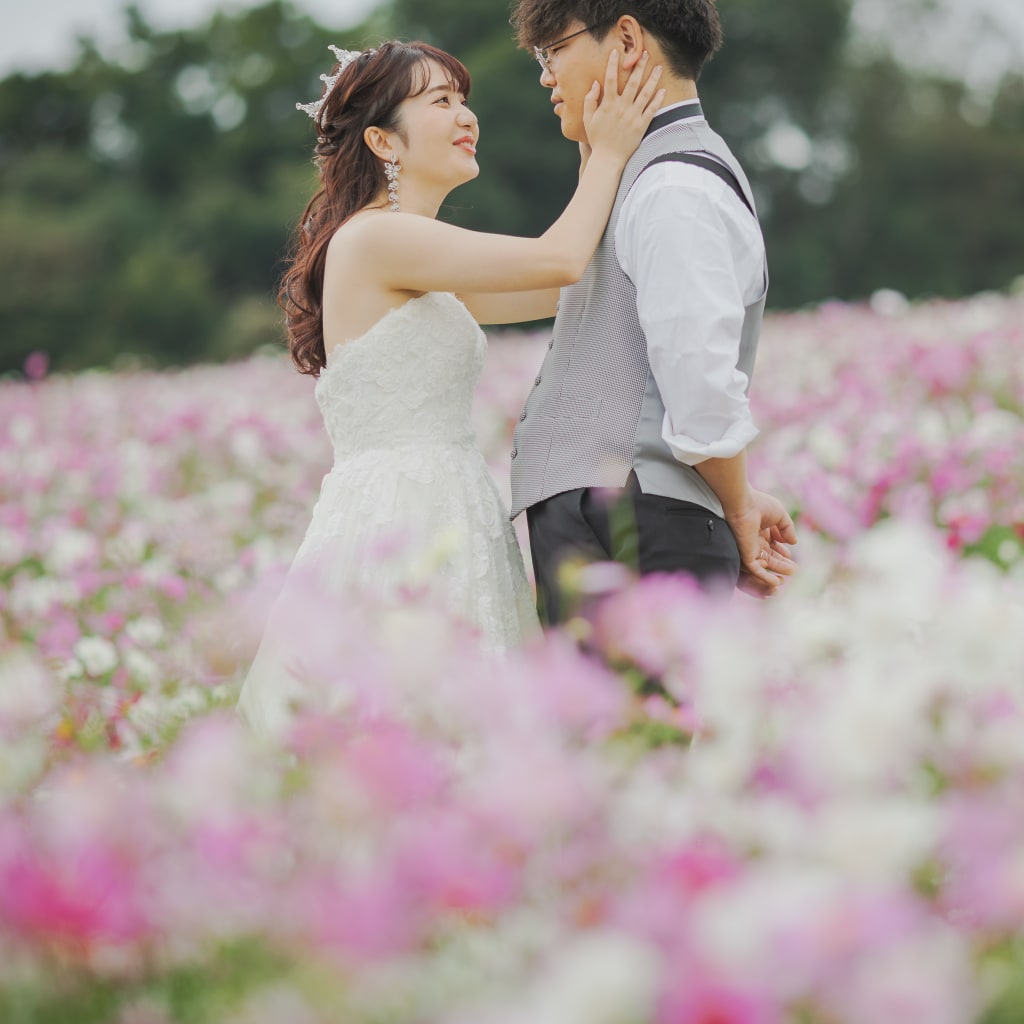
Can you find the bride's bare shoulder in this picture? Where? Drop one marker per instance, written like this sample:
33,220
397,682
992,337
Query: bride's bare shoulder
357,225
349,246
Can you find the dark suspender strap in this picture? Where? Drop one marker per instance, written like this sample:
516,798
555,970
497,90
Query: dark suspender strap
709,164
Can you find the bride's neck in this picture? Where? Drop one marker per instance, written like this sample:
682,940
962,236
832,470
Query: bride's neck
411,200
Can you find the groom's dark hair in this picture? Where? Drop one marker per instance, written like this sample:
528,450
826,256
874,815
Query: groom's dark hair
689,31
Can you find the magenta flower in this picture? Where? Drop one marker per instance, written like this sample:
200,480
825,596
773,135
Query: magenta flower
699,1000
82,893
37,365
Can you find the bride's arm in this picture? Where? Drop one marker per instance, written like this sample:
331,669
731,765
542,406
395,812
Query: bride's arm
518,307
512,307
406,252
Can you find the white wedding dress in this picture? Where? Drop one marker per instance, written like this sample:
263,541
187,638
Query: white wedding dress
409,503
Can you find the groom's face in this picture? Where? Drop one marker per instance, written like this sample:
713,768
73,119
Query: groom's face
572,67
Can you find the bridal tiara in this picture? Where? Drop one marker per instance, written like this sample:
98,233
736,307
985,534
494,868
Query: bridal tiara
344,58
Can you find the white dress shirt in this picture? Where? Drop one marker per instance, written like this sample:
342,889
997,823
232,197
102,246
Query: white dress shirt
696,257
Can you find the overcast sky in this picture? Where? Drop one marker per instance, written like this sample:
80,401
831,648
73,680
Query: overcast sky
40,34
979,40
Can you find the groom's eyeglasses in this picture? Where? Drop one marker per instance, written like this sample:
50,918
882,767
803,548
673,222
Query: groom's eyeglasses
543,53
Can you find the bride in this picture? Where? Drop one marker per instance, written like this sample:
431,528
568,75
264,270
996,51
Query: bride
383,303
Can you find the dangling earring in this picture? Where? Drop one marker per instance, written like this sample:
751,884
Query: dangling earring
391,169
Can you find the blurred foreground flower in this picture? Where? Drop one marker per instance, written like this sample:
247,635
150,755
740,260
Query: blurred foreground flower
805,811
469,838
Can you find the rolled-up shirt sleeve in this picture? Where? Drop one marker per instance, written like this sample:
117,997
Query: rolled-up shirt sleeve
696,257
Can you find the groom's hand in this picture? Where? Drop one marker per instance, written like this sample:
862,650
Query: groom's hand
763,530
777,561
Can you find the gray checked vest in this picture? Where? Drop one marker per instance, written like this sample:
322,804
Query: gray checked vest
595,412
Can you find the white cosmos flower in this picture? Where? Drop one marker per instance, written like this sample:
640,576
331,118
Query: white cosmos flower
27,691
142,667
993,426
600,978
147,714
247,446
230,579
97,655
828,445
129,544
1009,551
38,596
12,547
876,838
71,669
932,427
146,631
70,549
21,429
231,495
22,758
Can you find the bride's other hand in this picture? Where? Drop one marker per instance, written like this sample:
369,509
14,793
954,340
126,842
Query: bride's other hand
615,121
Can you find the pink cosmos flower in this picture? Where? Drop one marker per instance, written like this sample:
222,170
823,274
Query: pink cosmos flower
700,1000
654,624
393,767
37,365
444,864
84,893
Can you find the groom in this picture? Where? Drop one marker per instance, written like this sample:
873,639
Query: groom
632,443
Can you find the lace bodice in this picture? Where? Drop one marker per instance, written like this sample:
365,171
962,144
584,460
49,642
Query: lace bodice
407,381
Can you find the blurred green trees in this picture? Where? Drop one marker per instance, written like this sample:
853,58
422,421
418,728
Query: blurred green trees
146,199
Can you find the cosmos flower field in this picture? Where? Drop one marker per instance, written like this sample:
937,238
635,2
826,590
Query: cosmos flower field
806,810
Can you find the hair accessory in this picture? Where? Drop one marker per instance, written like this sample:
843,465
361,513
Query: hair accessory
344,58
391,169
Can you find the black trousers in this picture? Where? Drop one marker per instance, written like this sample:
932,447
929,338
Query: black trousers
647,532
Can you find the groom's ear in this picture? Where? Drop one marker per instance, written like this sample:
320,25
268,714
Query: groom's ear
630,38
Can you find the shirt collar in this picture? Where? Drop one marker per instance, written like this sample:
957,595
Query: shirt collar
687,110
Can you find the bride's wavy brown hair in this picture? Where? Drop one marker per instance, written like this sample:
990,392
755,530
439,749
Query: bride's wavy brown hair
367,93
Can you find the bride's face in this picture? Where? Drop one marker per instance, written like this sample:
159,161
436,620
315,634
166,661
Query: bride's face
441,133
